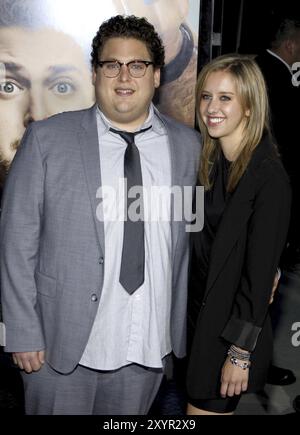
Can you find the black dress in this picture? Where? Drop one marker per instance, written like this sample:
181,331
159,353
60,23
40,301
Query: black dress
201,243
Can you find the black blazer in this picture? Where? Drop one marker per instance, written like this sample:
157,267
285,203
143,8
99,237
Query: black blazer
243,262
284,100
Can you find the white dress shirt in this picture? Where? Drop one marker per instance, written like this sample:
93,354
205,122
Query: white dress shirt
134,328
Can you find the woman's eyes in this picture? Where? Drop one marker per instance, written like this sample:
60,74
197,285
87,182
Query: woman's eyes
221,97
225,98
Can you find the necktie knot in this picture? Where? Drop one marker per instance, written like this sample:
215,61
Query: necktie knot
128,136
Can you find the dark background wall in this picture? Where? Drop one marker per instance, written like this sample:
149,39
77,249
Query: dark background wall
259,21
244,26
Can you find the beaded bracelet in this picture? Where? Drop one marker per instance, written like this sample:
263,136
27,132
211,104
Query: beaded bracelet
235,353
243,365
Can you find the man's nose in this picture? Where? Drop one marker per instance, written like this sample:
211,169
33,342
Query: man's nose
36,109
124,73
27,119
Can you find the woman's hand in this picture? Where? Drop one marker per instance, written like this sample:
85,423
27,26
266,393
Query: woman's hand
234,379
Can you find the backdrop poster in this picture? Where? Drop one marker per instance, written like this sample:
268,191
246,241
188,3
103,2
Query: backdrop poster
45,59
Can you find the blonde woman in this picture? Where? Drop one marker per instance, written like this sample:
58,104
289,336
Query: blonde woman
234,258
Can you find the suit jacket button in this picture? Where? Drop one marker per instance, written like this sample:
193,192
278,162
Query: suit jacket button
101,260
203,304
94,297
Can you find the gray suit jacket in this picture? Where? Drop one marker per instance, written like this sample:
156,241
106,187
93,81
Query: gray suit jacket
52,244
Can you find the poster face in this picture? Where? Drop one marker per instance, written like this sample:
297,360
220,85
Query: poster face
45,59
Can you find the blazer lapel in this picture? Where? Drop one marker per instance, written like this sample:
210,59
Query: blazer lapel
88,140
236,214
235,217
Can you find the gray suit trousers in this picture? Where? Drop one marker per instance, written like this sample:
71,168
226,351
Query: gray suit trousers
128,390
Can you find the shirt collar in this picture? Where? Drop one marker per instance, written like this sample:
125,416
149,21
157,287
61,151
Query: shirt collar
281,60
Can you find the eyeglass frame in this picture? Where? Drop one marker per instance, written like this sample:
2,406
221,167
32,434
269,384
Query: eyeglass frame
147,63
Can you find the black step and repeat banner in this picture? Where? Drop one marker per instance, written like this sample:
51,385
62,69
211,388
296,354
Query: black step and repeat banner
45,59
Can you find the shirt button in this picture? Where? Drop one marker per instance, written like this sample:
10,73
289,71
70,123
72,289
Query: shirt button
94,297
101,260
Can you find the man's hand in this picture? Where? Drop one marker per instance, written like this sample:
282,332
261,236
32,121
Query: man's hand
29,361
275,285
234,380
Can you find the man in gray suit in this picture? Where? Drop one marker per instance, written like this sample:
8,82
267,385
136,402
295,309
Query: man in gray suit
93,304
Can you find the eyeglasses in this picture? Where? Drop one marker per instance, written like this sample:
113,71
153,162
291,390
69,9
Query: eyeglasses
112,68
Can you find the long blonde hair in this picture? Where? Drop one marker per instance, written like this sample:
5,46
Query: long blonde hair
252,93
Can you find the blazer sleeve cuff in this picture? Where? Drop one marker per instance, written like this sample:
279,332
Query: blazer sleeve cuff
241,333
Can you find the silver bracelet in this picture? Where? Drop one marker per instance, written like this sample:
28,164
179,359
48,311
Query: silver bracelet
243,365
234,352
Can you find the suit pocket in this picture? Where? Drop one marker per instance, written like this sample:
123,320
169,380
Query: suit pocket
45,285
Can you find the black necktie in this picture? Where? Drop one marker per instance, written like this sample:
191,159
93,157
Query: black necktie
133,253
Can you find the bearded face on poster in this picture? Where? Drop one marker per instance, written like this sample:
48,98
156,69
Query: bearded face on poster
45,60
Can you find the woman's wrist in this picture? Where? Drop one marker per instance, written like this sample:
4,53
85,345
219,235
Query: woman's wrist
244,365
239,349
238,354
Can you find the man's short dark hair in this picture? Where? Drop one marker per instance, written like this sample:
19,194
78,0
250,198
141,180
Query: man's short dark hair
129,27
287,29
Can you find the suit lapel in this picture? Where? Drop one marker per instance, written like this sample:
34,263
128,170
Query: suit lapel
175,181
89,144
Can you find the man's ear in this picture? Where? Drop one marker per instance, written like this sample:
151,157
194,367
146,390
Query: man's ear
289,46
94,75
156,77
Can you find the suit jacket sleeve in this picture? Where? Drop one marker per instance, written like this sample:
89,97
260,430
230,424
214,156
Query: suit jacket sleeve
267,231
19,238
